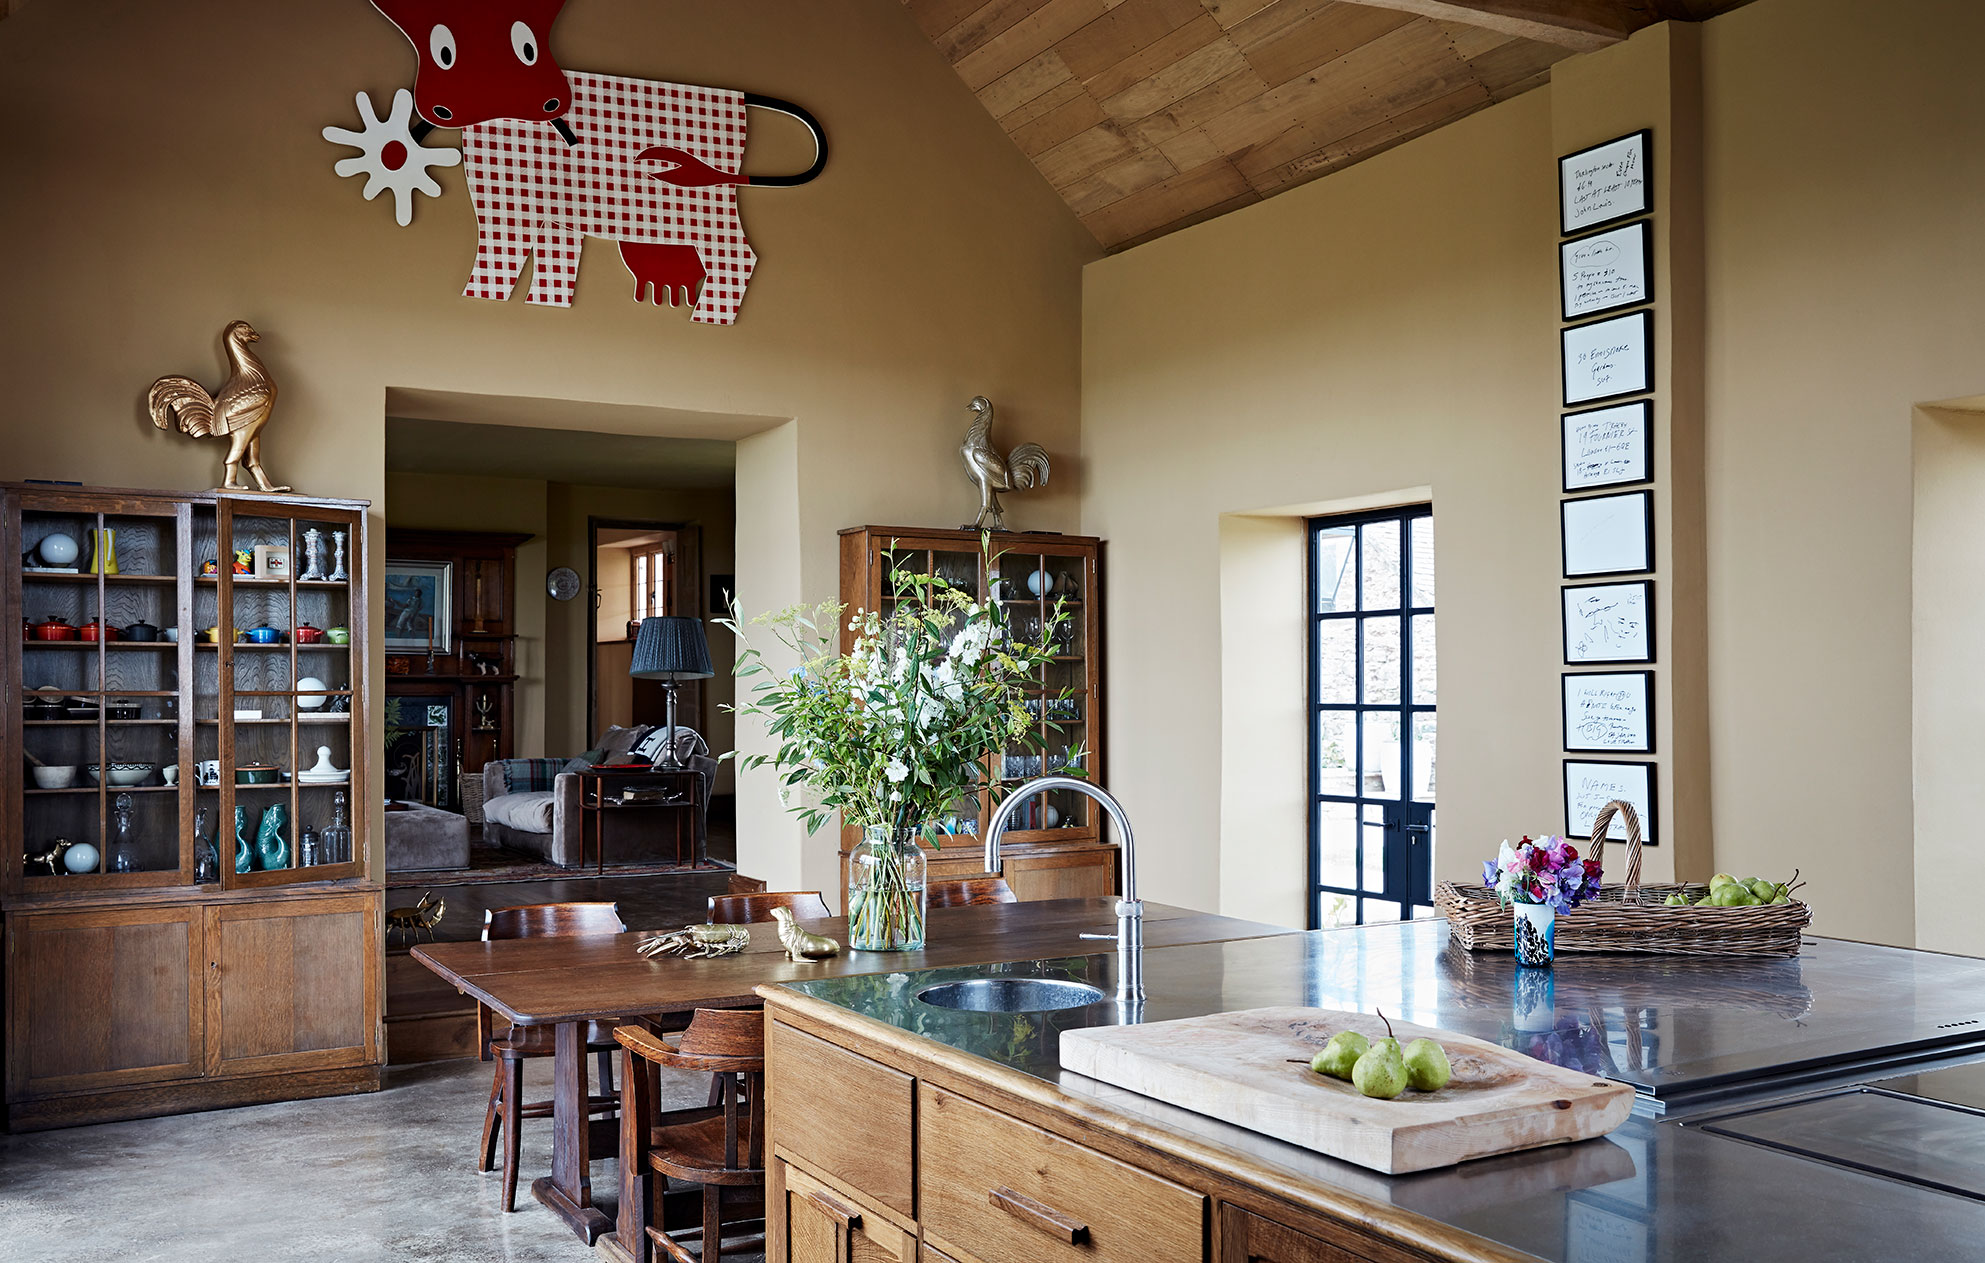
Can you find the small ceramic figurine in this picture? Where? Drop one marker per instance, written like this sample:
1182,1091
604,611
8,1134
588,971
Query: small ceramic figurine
271,847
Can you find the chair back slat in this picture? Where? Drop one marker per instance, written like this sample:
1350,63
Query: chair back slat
807,905
552,920
968,892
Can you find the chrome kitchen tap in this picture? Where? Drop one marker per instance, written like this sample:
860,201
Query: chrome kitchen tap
1130,912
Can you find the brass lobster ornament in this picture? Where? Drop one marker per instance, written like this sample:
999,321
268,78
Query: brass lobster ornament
697,941
237,412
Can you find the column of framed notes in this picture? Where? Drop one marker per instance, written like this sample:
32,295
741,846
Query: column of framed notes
1606,519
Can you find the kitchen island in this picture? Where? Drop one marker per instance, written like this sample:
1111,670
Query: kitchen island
900,1130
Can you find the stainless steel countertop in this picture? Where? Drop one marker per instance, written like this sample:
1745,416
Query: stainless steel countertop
1656,1189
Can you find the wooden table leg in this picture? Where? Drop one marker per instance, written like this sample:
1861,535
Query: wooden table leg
568,1190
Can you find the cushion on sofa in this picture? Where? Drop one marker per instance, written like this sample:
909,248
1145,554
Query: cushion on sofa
529,812
618,742
688,742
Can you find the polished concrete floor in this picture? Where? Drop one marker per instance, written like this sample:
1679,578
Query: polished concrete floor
353,1179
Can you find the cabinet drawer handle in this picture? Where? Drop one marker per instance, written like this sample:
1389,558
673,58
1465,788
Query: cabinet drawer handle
845,1217
1038,1217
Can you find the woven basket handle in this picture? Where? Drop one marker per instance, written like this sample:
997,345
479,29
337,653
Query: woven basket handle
1632,818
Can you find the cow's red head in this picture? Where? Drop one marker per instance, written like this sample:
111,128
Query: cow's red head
482,59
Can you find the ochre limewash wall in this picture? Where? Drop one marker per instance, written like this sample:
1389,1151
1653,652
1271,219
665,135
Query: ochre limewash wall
1394,325
165,175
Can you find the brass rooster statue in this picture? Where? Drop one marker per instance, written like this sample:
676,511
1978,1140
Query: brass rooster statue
1026,467
237,412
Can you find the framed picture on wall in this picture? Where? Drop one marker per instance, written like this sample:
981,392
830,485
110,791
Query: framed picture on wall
1609,713
1607,359
420,606
1609,447
1607,535
1612,180
1609,622
1589,786
1609,270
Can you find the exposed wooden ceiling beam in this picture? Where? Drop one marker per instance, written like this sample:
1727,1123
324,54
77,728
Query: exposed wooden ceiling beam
1579,24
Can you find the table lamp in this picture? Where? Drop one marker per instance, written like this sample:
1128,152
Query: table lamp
671,650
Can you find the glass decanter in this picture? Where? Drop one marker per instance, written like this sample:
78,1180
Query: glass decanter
335,843
124,844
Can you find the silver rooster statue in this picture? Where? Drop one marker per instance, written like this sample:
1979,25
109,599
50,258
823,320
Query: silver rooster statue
1027,466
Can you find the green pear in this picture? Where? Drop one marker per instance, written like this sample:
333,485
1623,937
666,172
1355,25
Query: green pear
1340,1055
1761,890
1720,880
1381,1072
1678,901
1427,1067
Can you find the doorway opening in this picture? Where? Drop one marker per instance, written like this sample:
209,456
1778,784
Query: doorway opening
1372,696
640,570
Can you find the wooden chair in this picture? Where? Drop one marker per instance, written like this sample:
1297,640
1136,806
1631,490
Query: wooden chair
720,1147
966,892
510,1047
751,909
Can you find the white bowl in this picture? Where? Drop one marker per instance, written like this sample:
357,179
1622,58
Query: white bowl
124,773
54,777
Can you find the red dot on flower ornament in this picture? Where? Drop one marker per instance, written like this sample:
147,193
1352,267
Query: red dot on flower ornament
393,156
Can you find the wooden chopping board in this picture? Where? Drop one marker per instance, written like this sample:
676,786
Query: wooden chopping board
1239,1068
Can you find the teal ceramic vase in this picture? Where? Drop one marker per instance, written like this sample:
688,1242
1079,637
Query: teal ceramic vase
244,854
271,847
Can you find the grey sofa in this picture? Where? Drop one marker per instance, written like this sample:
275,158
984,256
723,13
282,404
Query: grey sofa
532,805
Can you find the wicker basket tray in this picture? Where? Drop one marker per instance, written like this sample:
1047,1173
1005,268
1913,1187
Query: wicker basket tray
1631,917
470,784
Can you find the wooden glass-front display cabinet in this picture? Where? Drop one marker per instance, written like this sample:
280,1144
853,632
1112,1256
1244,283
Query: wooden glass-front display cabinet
184,674
1056,846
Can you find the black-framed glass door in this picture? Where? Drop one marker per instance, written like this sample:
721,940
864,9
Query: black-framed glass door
1372,686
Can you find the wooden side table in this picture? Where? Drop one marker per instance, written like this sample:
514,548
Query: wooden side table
600,798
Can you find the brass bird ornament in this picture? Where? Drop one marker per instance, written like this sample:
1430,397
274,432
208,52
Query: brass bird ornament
1026,466
237,412
802,944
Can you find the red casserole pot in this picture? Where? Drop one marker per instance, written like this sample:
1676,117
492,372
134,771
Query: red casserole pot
54,629
308,635
94,627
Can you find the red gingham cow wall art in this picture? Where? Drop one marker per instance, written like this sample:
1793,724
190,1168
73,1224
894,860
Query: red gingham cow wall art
554,156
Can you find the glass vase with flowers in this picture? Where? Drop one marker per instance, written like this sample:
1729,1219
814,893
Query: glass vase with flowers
895,732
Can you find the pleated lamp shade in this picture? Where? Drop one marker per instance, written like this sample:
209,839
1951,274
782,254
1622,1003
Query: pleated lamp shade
671,649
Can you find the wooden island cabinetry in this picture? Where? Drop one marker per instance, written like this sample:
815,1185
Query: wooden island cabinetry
145,974
888,1147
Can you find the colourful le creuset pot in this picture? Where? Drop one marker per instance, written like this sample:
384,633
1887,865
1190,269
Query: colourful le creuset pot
256,774
308,635
339,635
264,636
141,631
54,629
95,627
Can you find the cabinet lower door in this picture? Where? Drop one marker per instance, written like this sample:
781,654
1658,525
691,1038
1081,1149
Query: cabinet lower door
1248,1238
292,985
824,1226
103,999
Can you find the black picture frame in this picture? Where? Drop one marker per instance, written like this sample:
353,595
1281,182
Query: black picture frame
1650,828
1565,507
1645,319
1565,622
1641,228
1646,684
1645,140
1645,408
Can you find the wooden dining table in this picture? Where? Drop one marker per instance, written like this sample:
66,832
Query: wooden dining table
566,982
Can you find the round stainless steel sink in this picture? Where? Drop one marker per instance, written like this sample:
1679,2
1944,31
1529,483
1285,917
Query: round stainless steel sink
1010,995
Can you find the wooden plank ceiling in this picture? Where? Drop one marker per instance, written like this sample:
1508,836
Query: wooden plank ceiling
1150,115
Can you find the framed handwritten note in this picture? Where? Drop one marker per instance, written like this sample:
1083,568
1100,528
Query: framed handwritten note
1608,358
1609,622
1608,535
1590,786
1609,270
1610,713
1607,182
1609,447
